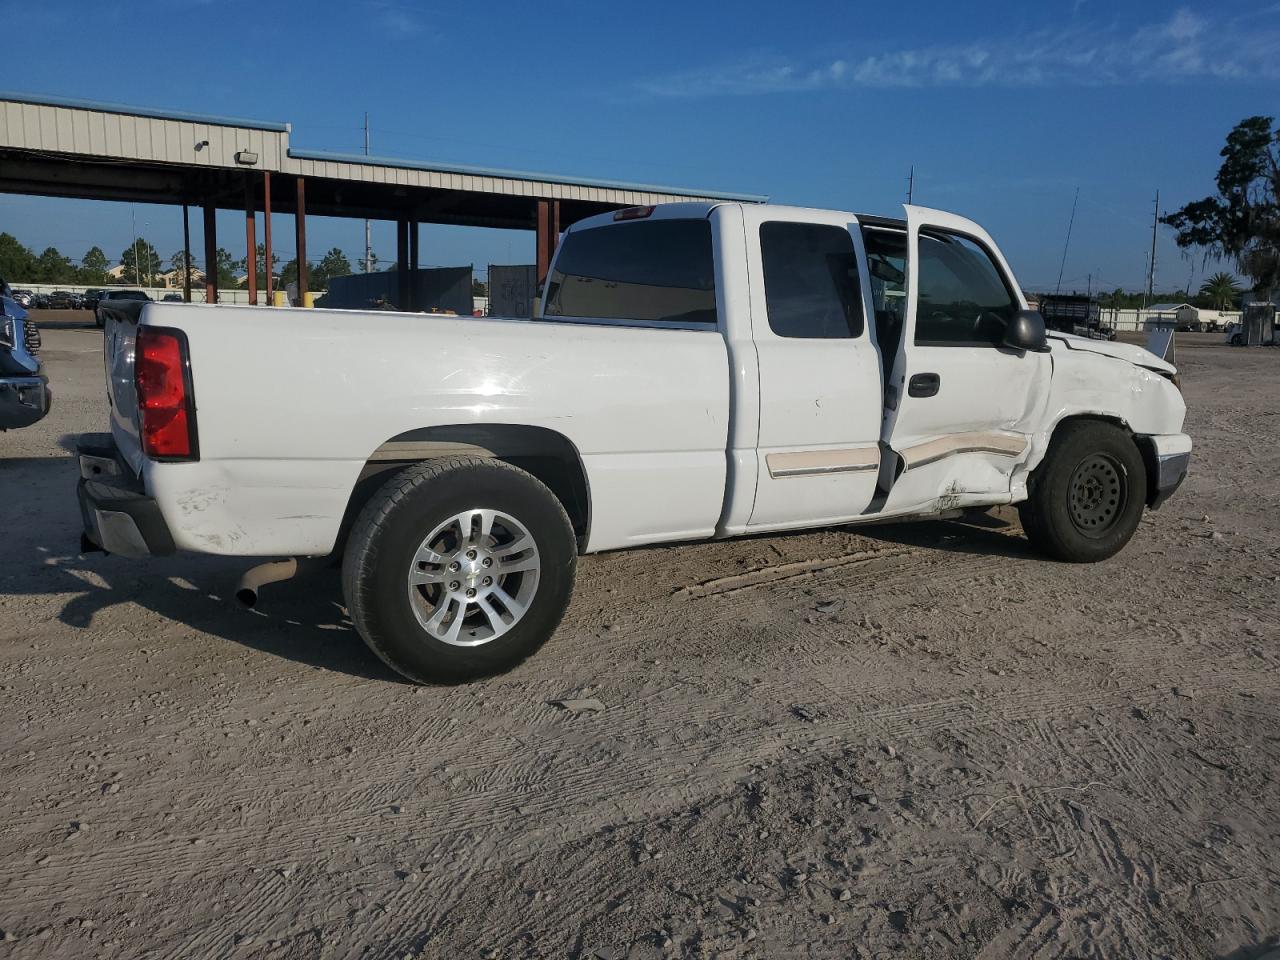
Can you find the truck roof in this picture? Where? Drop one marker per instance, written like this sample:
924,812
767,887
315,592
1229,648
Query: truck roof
697,209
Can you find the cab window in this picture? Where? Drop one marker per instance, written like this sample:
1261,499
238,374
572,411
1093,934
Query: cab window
810,280
963,300
658,271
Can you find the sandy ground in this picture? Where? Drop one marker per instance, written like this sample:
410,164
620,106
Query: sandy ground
909,740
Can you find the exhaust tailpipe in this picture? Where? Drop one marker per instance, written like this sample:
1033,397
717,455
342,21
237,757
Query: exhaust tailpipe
259,576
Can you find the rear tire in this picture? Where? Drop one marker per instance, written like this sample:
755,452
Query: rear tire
1086,497
459,568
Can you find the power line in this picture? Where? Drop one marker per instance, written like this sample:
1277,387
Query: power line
1070,223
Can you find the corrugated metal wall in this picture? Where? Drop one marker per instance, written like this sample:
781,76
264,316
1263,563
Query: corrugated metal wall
95,133
103,133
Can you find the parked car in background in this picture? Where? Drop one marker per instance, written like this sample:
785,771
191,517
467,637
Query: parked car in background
24,389
172,298
23,297
91,298
697,370
110,297
39,301
62,300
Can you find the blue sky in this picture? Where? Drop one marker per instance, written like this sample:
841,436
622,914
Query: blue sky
1004,108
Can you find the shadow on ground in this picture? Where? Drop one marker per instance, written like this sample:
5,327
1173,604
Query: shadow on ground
301,619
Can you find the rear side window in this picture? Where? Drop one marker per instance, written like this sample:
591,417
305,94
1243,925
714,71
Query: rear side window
963,298
654,270
810,280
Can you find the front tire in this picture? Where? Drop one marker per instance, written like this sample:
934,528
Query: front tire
1086,497
458,569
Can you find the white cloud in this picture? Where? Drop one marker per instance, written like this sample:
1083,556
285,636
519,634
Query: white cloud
395,17
1186,46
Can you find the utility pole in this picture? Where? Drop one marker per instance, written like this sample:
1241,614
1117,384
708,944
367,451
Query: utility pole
911,183
1089,289
133,218
368,234
1070,223
1151,263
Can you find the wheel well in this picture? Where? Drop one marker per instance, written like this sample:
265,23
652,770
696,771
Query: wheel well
1144,445
547,455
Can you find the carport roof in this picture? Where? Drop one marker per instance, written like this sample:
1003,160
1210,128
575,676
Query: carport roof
348,165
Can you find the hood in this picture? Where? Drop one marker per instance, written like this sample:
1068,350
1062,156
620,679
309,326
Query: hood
1117,351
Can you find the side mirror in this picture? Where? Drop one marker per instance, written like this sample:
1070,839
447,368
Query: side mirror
1026,332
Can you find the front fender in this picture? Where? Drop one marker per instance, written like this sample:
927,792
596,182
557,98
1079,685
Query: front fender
1143,401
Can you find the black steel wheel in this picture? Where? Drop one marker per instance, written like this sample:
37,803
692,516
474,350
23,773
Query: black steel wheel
1096,495
1087,495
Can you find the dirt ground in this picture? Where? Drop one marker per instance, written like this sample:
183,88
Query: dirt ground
907,740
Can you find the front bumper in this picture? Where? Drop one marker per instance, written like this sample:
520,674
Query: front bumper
1169,458
118,515
23,401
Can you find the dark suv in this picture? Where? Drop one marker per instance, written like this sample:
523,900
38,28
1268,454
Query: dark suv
24,389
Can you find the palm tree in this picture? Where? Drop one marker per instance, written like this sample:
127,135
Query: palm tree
1221,289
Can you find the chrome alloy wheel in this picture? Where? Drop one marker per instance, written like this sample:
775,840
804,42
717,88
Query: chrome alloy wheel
1097,495
474,577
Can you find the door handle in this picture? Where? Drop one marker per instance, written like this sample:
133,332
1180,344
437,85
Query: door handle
924,385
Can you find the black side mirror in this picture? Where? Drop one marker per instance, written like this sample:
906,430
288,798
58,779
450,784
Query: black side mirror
1026,332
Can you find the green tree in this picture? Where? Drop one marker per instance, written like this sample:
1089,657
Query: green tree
53,267
373,259
141,263
1220,290
332,264
260,265
1241,222
182,264
17,263
94,266
479,288
289,273
226,269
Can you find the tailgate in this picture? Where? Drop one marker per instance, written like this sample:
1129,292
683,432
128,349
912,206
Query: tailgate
119,337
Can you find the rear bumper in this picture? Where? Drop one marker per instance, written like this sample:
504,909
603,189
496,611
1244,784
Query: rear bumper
23,401
117,514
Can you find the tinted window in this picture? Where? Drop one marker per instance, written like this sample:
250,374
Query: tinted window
963,299
810,280
657,270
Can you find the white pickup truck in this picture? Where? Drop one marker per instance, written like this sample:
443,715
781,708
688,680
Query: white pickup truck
697,371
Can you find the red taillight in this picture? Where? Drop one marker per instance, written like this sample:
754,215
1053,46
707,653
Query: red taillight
166,409
633,213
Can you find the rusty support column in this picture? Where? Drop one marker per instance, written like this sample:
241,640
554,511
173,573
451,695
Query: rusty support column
402,264
413,266
300,228
251,242
266,233
540,242
210,252
548,237
186,253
